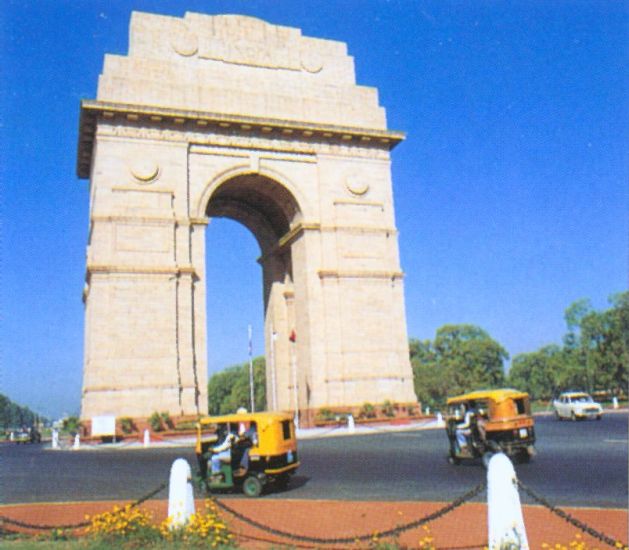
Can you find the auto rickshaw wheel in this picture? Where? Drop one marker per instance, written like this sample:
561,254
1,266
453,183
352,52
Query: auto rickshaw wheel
252,487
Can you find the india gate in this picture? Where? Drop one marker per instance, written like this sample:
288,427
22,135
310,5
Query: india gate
230,116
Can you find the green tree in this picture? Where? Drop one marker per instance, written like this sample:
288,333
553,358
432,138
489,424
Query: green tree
461,358
228,390
596,346
429,381
13,415
605,345
538,372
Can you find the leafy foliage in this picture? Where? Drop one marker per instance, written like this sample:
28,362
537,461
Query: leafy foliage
13,415
228,390
460,359
71,425
155,422
537,372
367,411
126,425
595,354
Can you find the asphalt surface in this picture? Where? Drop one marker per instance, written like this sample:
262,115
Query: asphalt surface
578,464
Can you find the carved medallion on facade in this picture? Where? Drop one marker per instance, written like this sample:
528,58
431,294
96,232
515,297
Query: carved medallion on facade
144,170
357,186
184,42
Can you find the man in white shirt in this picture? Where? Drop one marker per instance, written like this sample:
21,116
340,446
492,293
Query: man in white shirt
222,451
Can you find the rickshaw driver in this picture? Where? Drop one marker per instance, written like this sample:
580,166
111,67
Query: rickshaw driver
222,451
464,428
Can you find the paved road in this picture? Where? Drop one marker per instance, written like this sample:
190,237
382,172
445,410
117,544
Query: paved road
579,464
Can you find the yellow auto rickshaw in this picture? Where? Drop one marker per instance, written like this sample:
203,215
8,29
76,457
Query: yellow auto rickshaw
484,422
263,451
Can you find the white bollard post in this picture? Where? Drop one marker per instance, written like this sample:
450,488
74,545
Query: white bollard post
427,411
77,442
440,421
12,436
180,494
351,425
55,439
615,402
147,438
504,513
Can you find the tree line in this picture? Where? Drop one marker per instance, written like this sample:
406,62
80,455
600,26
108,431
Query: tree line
593,356
14,416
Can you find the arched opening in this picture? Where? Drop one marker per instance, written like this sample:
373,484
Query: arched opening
234,296
269,211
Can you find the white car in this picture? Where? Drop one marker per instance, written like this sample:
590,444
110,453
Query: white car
577,406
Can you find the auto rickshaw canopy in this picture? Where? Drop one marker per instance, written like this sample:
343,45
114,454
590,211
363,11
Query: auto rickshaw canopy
504,403
497,396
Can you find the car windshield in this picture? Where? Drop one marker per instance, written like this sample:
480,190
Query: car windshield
582,399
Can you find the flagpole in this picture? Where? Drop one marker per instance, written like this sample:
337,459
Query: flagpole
253,404
273,379
293,340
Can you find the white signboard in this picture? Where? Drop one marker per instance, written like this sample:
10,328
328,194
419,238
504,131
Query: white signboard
104,425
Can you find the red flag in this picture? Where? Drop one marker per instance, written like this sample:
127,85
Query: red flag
292,336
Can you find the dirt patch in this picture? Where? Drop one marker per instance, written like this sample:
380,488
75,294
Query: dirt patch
465,527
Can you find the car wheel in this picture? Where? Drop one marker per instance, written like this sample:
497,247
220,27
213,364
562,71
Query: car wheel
558,416
599,416
252,487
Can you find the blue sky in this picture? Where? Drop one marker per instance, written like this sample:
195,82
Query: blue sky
511,187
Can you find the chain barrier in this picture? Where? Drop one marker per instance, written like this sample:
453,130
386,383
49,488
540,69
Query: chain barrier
4,521
359,538
574,521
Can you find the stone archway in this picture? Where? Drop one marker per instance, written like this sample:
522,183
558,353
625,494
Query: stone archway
212,116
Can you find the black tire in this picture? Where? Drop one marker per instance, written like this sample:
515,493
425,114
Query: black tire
599,417
252,487
524,457
558,416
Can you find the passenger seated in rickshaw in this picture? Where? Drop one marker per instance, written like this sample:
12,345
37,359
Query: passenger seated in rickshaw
247,438
481,424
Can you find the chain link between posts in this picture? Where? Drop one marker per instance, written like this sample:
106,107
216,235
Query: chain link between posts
395,531
4,521
574,521
357,538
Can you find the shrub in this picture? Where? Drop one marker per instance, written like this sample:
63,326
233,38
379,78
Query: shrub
188,425
121,524
155,422
367,411
166,420
126,425
325,414
71,425
204,528
388,409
